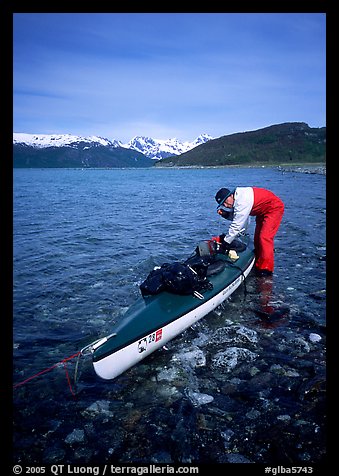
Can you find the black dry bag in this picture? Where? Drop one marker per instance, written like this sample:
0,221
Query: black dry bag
176,278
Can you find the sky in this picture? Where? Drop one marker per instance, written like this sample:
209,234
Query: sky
166,75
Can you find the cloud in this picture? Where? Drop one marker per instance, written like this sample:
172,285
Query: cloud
156,74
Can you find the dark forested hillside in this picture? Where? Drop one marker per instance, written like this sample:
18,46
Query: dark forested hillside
25,156
288,143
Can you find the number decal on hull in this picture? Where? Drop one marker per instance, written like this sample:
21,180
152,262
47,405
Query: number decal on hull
154,337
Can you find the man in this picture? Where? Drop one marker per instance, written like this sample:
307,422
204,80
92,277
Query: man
237,205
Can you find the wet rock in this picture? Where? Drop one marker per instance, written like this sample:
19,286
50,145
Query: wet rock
253,371
115,438
193,358
198,399
170,374
237,458
314,337
201,340
77,436
98,407
285,418
54,425
312,389
229,388
253,414
305,456
292,344
206,422
292,373
261,380
162,457
237,334
132,419
168,393
82,455
319,295
183,435
53,455
231,357
227,436
301,344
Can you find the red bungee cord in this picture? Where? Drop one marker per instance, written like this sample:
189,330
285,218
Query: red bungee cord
63,361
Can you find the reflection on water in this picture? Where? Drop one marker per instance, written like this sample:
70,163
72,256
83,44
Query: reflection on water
270,315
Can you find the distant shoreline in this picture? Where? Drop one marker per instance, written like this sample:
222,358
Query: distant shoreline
300,168
307,168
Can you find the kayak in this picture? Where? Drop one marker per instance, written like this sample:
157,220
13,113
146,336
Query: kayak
152,321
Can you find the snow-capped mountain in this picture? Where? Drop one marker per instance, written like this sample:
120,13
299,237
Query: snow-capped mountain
159,148
69,151
151,148
62,140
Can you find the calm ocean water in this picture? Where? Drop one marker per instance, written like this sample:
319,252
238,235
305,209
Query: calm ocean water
83,242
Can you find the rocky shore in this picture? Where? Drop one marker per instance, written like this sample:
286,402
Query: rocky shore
307,169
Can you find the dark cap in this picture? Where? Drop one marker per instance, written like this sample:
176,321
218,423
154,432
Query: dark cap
222,194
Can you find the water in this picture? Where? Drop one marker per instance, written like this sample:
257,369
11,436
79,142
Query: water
245,384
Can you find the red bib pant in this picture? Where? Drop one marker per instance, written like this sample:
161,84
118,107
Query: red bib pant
268,210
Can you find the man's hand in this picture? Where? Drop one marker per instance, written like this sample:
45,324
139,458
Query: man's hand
224,247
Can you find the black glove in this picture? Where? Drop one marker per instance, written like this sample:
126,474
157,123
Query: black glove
224,247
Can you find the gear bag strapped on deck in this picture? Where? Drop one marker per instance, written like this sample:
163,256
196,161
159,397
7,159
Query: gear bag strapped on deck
190,276
176,278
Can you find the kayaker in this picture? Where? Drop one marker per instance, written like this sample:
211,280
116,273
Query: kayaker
238,205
